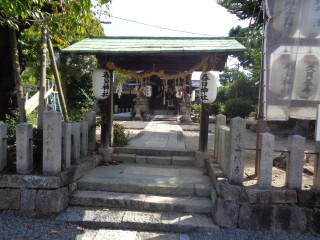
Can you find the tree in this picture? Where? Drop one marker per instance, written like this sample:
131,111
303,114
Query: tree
230,75
21,14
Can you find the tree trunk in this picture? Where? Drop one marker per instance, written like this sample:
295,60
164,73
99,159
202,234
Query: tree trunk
8,98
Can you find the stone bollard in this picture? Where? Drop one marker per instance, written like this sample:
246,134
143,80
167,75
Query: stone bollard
265,160
220,144
220,120
91,118
115,108
294,167
84,138
24,147
222,150
316,175
52,132
75,141
3,146
66,144
225,162
237,151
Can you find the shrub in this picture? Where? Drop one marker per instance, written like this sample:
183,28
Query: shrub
133,113
197,110
215,108
120,137
238,107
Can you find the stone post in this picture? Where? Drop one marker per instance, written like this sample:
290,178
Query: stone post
226,159
265,160
294,167
222,155
66,144
138,116
115,108
91,117
220,120
24,147
52,132
84,138
3,146
220,144
316,175
75,141
237,145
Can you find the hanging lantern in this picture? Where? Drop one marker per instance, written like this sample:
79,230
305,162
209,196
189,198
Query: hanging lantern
101,83
179,92
149,91
310,25
306,82
282,76
287,18
208,87
193,96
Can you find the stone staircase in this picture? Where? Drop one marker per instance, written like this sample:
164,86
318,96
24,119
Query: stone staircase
164,193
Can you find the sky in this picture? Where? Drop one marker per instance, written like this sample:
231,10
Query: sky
200,16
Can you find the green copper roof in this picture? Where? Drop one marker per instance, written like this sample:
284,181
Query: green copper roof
141,45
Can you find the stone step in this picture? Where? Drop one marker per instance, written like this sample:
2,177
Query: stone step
137,220
141,202
154,152
123,157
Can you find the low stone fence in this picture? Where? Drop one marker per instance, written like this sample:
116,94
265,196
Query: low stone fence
65,160
261,207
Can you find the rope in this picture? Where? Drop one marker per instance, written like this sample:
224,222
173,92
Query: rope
206,61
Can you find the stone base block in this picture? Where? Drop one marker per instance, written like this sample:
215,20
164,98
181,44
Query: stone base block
9,199
257,217
106,152
225,213
52,201
308,198
271,196
28,200
201,158
316,221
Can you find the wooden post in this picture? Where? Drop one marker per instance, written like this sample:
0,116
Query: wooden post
42,76
107,116
57,78
16,72
204,126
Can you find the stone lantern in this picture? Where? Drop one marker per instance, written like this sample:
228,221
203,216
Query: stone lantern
137,107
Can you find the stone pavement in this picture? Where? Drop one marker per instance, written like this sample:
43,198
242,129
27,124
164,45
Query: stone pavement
159,135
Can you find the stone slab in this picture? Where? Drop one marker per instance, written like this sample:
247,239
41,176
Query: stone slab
271,196
28,200
3,146
107,199
201,158
24,149
10,199
29,181
214,173
115,235
178,204
159,160
141,159
152,171
257,217
52,201
316,221
158,236
72,187
308,198
106,152
123,157
183,161
136,186
203,189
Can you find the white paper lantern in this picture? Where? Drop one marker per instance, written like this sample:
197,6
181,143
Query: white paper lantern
287,19
208,87
149,91
310,26
306,82
282,75
101,83
193,95
179,92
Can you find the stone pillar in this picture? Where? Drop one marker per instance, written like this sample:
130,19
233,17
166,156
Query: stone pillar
24,147
316,175
294,167
91,117
84,138
187,117
220,144
66,144
220,120
52,132
221,152
75,141
3,146
138,116
237,145
115,108
226,159
265,160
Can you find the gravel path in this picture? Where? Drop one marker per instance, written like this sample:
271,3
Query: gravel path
24,228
